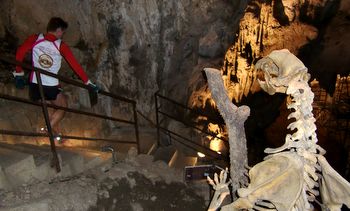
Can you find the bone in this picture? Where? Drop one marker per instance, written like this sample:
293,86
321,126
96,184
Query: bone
294,174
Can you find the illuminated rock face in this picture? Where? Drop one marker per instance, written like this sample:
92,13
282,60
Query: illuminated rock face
267,26
293,175
260,32
300,26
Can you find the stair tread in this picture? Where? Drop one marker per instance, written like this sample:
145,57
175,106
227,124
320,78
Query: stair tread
10,157
43,152
87,154
20,163
165,153
185,161
39,153
147,136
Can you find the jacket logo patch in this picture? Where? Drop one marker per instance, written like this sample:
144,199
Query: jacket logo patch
45,61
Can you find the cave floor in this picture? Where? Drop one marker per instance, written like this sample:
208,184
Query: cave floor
137,183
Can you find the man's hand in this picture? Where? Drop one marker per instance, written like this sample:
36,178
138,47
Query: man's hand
93,86
19,80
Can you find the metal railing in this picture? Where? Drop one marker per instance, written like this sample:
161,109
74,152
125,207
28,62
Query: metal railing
181,138
44,105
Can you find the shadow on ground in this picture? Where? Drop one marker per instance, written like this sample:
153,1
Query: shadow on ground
143,195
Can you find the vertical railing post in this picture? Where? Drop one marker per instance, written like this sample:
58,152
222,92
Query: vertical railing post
136,128
47,121
157,117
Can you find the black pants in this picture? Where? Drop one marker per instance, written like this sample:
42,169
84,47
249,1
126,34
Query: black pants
50,92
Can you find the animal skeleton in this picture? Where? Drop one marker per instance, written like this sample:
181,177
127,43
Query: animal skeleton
293,175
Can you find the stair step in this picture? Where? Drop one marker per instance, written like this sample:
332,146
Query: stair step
147,138
18,167
147,141
183,161
4,183
40,153
42,205
92,158
42,159
167,154
152,149
21,162
71,163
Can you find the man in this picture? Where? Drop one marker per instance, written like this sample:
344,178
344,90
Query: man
47,52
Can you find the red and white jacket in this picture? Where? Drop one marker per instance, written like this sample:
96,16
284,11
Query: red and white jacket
47,53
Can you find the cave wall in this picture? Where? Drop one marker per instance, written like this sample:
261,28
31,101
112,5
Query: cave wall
131,48
329,53
315,30
134,48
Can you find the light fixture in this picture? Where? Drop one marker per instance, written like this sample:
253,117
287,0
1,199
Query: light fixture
201,155
216,144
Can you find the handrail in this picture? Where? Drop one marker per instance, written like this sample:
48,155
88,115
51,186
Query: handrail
26,101
211,153
36,134
62,78
181,105
189,125
44,106
191,110
192,126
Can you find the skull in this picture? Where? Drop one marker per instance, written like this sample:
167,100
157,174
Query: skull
280,68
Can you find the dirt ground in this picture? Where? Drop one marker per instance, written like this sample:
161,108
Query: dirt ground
146,195
135,183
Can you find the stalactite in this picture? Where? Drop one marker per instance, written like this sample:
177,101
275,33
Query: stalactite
240,39
236,63
257,34
226,71
247,31
272,4
261,46
228,68
261,20
229,73
243,41
267,22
